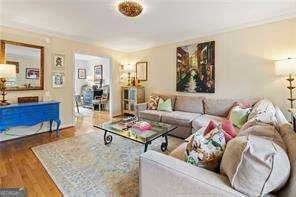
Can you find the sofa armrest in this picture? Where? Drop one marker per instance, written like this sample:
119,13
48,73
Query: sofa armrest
140,107
163,175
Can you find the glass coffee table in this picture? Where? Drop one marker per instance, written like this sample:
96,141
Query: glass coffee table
158,129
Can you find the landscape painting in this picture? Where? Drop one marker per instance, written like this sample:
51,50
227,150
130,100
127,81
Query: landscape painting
196,68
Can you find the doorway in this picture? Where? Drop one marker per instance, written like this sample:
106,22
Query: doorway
92,89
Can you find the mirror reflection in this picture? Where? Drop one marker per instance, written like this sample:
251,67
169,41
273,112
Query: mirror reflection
28,60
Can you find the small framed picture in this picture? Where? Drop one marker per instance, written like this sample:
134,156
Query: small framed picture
98,73
81,73
141,71
59,61
58,79
32,73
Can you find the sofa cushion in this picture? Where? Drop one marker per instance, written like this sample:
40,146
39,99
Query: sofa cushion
227,129
192,104
239,115
262,130
263,111
180,152
218,107
152,103
206,149
254,165
289,137
280,118
165,105
203,121
179,118
165,97
150,115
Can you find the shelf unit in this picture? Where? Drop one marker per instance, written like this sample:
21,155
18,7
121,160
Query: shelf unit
130,97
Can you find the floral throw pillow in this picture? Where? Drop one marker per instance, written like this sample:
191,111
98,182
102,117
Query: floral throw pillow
206,150
153,102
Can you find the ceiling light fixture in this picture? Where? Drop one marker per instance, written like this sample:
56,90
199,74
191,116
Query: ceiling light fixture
130,8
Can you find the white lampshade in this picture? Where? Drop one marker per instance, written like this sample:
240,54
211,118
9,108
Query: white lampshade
285,67
7,71
128,68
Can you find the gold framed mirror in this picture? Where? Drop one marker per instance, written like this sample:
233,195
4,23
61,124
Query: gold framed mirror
29,63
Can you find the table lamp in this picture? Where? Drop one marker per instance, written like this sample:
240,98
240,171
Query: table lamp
287,67
6,71
128,69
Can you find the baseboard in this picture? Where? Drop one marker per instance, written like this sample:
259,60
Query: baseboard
45,128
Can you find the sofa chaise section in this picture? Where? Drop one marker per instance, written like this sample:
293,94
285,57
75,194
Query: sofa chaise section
162,175
169,175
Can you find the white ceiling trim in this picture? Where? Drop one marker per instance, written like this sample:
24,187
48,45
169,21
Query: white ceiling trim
48,33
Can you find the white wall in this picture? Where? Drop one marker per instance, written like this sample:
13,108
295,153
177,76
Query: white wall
244,62
68,48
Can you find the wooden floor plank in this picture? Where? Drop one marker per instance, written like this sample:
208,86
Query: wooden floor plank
19,167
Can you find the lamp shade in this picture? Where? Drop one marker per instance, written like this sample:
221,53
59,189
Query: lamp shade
128,68
285,67
7,71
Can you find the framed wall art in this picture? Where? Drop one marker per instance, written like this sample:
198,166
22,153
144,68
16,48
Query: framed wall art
196,68
98,73
142,71
58,61
32,73
58,79
81,73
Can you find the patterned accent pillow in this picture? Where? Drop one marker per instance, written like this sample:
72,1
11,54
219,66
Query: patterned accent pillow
206,150
153,102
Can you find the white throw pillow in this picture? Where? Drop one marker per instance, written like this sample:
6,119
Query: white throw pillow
263,111
280,118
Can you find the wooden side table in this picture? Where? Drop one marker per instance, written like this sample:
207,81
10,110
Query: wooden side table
293,115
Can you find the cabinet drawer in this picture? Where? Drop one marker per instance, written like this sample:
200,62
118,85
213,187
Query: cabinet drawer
51,114
32,115
9,111
40,108
11,118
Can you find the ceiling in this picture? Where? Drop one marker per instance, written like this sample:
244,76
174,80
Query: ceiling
162,21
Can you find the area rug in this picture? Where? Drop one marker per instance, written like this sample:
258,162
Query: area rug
83,112
84,166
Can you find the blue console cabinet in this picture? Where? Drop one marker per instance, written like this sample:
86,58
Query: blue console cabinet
29,114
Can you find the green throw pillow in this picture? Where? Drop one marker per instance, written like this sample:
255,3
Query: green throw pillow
164,105
239,116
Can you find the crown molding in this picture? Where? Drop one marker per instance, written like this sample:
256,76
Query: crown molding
49,33
223,30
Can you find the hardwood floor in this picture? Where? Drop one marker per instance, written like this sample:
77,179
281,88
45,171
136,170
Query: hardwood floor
19,167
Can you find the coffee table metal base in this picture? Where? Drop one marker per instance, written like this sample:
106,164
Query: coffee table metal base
164,145
107,138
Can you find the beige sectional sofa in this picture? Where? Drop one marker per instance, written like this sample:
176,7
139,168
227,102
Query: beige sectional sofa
168,175
189,112
164,175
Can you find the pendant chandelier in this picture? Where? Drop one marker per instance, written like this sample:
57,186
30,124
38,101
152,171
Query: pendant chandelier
130,8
